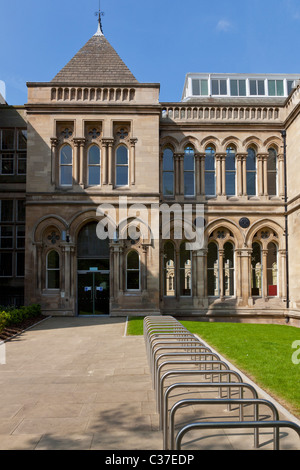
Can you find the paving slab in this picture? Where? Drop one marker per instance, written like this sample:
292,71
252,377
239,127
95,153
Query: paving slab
79,383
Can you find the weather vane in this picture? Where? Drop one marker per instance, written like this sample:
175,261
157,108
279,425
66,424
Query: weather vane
99,14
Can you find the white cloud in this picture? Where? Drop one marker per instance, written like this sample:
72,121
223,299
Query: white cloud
224,25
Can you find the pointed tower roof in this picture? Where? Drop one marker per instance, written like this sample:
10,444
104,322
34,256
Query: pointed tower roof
96,62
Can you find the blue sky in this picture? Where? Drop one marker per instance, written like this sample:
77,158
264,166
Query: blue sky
160,41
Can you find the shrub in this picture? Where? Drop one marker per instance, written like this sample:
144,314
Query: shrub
15,316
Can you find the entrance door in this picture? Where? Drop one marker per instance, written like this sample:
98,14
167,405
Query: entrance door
93,292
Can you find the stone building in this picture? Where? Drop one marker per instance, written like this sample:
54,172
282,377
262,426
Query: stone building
105,156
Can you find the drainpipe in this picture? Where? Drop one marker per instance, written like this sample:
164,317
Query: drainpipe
283,133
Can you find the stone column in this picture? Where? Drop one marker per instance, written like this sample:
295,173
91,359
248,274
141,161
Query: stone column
198,174
244,173
281,275
144,269
221,273
177,274
223,174
177,174
181,177
260,173
218,175
104,162
239,175
54,143
200,259
202,174
81,164
264,274
110,162
280,175
132,160
265,172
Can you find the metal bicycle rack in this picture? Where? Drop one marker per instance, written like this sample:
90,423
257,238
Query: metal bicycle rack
169,344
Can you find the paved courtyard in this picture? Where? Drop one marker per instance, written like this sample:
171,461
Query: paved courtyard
80,383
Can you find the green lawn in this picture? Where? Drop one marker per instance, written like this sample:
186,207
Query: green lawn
262,352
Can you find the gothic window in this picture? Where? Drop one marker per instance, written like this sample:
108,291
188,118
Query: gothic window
168,172
169,269
122,166
189,172
256,270
230,171
66,166
185,271
272,271
133,271
272,172
53,270
210,172
251,172
212,270
94,166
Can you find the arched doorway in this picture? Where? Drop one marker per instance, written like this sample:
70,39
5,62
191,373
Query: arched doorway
92,272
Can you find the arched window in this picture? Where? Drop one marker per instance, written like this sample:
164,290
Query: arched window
189,172
210,172
228,270
230,171
133,271
272,172
272,270
52,270
122,166
66,166
213,270
169,269
256,268
168,172
94,166
251,172
185,271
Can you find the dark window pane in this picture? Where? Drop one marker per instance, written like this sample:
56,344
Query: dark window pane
168,161
122,155
6,236
271,87
290,84
272,186
234,87
215,87
53,279
133,280
230,184
242,87
22,140
168,184
204,87
66,177
66,155
122,176
6,264
188,163
21,211
223,87
94,175
261,87
251,184
210,184
133,260
189,184
7,164
20,264
53,260
7,210
279,85
196,87
251,160
22,164
94,155
89,245
8,139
